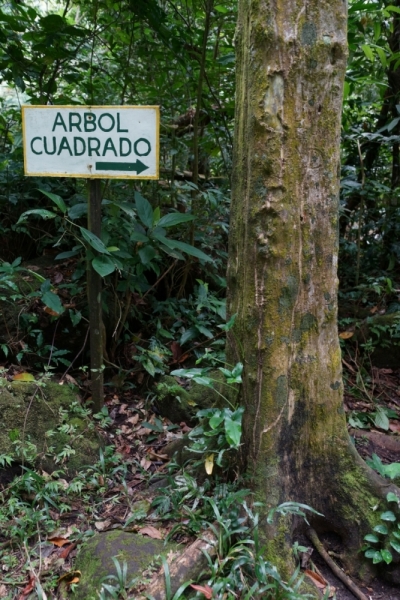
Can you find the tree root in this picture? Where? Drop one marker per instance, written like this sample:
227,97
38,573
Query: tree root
313,537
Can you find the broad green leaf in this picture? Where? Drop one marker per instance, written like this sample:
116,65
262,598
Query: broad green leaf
388,516
144,210
40,212
136,236
370,553
93,240
395,545
203,381
226,372
187,335
147,254
103,265
392,8
391,497
53,302
158,232
371,538
156,215
229,324
369,53
67,254
75,317
187,373
381,529
392,470
387,556
393,124
364,7
191,250
127,207
216,420
204,330
174,219
148,365
377,557
237,370
382,56
58,201
173,253
233,431
185,248
77,211
121,254
381,420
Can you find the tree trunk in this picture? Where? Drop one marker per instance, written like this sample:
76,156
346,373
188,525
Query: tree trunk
282,272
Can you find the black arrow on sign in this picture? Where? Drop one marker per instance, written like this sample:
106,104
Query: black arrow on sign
137,166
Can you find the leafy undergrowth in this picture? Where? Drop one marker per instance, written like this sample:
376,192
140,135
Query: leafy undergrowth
372,404
44,517
134,487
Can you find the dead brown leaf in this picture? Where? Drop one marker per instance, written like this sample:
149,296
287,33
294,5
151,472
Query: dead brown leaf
176,350
145,464
203,589
133,420
318,580
345,335
155,456
58,541
143,431
58,277
185,428
71,577
70,379
28,588
65,552
151,532
102,525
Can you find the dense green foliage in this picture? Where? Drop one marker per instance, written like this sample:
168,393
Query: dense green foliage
179,57
167,240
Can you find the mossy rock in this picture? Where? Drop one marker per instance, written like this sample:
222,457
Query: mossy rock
94,559
181,404
28,412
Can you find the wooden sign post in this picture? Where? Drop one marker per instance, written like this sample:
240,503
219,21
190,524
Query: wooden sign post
113,142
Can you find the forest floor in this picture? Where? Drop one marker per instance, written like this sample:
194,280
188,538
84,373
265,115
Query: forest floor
139,436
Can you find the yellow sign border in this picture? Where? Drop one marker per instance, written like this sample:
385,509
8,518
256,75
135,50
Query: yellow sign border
89,107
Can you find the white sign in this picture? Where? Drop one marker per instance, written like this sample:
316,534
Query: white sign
119,142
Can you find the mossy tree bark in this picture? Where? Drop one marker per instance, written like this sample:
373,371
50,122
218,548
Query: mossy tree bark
282,273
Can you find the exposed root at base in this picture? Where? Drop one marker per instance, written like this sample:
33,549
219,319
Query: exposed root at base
313,537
